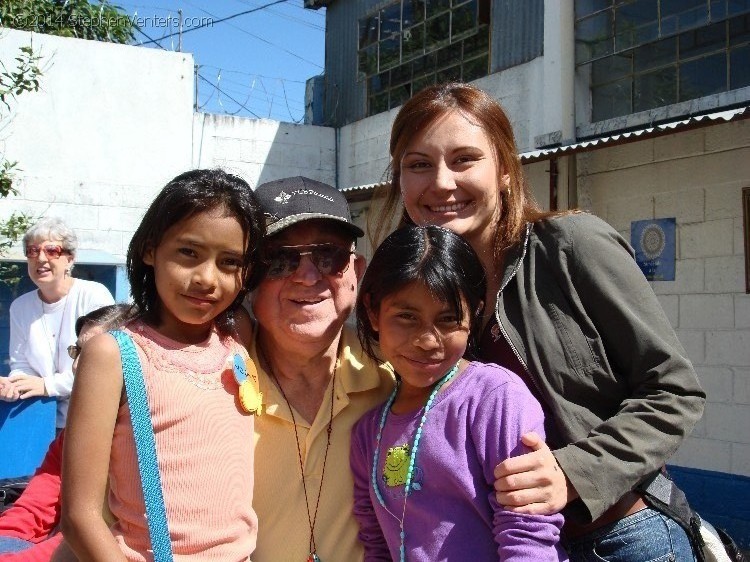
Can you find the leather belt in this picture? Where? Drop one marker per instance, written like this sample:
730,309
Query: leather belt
629,504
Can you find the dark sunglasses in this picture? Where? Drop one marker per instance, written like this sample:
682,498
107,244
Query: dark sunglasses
74,350
330,259
50,250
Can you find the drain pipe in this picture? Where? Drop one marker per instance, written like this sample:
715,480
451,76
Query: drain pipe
337,144
553,173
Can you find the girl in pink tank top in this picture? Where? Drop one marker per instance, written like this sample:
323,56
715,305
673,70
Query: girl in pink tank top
190,264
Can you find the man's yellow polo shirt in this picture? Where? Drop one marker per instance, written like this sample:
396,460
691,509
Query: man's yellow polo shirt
279,499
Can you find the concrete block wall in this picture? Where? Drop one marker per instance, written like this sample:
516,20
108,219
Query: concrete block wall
696,177
261,150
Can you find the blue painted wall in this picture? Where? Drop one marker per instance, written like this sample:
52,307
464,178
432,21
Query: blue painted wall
721,499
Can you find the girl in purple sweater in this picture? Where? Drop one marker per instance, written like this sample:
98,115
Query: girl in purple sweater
423,462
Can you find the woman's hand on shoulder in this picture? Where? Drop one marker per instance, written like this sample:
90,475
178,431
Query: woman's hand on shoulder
533,483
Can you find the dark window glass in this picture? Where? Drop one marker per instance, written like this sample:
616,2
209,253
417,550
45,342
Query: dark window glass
390,20
449,55
739,30
422,83
673,7
483,15
401,74
424,64
636,23
378,83
703,40
655,54
379,103
594,37
735,7
655,89
413,12
685,19
611,100
451,74
368,60
702,77
477,43
476,68
586,7
718,10
438,31
464,19
611,68
389,52
435,7
399,95
412,42
368,30
739,67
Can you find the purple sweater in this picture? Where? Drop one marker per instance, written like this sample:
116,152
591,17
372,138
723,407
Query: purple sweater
451,513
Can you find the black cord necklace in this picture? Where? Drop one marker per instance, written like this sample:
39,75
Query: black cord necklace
311,518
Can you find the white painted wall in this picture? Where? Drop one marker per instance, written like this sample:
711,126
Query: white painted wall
112,124
108,127
696,177
261,150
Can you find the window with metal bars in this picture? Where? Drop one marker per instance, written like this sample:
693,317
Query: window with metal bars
643,54
410,44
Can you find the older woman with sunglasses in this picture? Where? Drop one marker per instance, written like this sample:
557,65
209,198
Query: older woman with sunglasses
42,322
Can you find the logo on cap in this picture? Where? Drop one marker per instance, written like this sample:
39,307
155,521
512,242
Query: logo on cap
283,198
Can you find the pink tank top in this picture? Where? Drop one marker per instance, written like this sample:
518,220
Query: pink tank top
204,445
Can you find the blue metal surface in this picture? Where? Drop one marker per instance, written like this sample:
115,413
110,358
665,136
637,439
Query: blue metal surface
27,427
721,499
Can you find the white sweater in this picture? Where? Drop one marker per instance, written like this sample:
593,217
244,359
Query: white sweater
29,344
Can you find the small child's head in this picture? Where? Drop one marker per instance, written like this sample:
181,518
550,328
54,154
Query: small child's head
418,260
97,322
211,194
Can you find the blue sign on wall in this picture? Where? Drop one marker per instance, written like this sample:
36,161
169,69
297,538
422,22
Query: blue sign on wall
654,243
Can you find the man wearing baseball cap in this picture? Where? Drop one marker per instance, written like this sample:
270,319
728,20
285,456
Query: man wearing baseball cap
315,379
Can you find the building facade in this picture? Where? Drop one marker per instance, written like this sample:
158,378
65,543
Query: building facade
634,110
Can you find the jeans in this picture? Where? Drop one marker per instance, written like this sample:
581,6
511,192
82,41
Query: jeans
646,536
13,544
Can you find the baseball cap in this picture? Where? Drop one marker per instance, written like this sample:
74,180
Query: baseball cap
288,201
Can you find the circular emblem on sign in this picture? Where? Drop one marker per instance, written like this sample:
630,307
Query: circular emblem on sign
653,241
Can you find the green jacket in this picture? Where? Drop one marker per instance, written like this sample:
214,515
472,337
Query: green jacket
594,339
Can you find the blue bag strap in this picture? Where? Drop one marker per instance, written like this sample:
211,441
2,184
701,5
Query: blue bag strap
143,432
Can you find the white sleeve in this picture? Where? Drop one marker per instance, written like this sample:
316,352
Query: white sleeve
19,336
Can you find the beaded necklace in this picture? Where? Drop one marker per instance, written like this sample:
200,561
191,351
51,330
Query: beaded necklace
413,454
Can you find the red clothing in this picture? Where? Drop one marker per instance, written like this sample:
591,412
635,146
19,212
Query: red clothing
36,513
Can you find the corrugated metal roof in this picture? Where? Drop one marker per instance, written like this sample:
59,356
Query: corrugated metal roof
363,192
640,134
